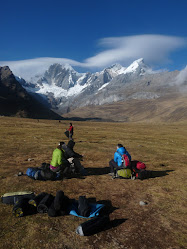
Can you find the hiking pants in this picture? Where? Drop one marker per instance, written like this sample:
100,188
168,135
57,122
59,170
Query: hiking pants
70,136
113,166
77,163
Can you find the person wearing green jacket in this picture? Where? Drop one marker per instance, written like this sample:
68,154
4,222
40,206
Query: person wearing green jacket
58,162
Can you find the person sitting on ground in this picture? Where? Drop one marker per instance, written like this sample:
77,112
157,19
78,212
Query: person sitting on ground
59,163
73,157
117,163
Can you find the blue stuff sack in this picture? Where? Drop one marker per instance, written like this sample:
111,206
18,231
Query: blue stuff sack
33,173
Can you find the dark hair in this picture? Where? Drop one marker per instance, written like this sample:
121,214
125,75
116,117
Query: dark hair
120,145
70,124
60,145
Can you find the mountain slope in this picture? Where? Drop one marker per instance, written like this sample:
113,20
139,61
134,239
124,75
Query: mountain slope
169,108
15,101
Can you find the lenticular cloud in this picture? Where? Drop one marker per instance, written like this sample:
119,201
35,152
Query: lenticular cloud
154,49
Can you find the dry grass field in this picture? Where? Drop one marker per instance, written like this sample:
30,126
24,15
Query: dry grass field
160,224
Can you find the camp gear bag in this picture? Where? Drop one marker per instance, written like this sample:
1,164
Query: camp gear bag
124,173
125,160
140,165
11,198
93,226
66,133
143,174
22,208
47,174
33,173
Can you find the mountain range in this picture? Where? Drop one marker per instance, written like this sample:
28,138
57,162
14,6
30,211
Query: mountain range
64,90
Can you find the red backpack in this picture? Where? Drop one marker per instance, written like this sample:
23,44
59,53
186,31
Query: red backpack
140,165
125,160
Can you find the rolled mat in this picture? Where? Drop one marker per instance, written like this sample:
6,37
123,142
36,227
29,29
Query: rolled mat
37,199
52,212
60,206
45,203
13,197
92,226
58,200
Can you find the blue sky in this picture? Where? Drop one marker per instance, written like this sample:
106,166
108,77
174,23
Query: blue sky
93,34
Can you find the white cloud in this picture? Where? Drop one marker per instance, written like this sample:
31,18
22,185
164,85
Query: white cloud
181,77
28,68
154,49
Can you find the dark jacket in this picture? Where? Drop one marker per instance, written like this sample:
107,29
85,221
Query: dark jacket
68,150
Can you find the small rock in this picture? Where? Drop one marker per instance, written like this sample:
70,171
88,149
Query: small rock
143,203
30,159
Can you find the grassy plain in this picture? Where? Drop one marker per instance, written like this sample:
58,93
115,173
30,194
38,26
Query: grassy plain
159,224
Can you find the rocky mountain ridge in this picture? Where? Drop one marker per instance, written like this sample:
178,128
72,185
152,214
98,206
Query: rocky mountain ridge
64,88
15,100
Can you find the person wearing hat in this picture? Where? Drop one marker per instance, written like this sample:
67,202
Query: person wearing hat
58,162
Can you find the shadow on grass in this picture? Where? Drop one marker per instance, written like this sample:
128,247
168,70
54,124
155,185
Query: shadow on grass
110,224
97,171
160,173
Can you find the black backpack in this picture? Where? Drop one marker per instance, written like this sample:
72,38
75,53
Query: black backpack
47,174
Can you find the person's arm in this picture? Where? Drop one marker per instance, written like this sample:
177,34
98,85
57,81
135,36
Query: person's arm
60,157
115,157
129,156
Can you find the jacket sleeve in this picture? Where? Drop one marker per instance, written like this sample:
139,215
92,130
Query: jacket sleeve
115,157
60,158
129,156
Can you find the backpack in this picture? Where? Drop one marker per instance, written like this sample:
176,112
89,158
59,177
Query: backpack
125,160
143,174
139,170
140,165
47,174
124,173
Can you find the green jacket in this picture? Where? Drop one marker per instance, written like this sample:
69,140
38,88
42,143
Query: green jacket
57,158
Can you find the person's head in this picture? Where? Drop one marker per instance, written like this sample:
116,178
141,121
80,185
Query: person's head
119,146
70,124
60,145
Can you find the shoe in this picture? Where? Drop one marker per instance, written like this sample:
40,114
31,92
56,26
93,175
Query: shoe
133,177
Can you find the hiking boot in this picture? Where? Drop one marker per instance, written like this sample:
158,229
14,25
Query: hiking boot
133,177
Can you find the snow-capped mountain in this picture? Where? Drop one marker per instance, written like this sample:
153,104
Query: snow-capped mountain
64,81
65,89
